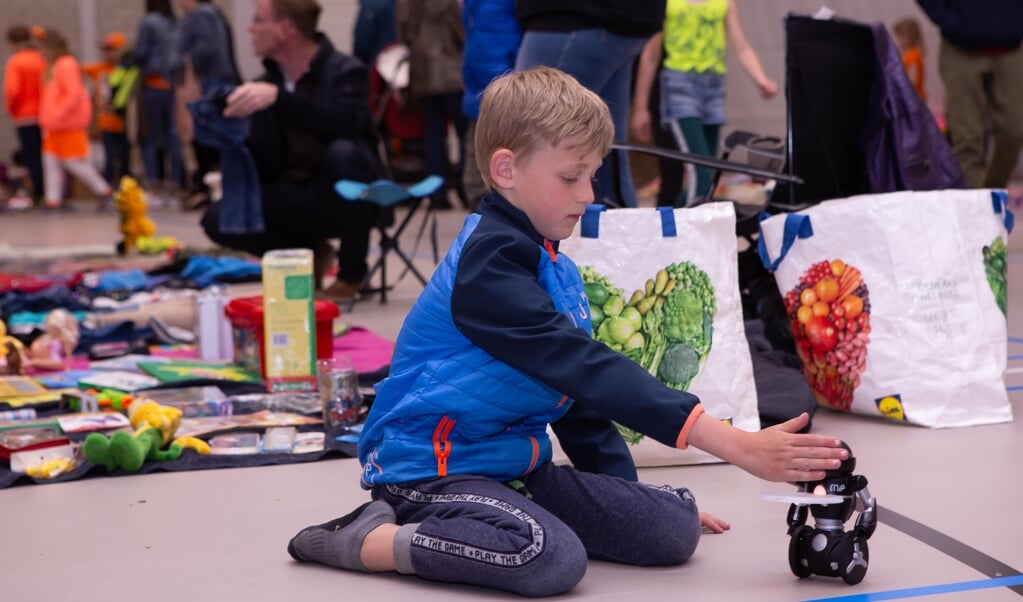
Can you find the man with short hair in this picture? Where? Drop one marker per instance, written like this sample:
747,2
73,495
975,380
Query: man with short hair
310,126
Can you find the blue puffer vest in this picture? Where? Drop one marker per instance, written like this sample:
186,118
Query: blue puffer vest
450,408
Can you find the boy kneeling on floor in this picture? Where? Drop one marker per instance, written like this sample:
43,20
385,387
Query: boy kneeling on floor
455,449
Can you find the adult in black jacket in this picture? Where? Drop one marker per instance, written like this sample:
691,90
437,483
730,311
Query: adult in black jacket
310,126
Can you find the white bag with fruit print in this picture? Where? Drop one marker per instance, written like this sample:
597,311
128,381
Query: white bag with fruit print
664,290
898,303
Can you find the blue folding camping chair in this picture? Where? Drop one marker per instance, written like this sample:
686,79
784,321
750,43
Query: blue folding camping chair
387,194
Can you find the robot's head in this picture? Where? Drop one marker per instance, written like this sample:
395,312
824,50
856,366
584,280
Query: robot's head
847,467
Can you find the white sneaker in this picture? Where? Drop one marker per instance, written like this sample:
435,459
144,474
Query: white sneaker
19,203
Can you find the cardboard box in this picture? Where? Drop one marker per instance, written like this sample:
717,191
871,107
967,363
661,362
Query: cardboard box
289,335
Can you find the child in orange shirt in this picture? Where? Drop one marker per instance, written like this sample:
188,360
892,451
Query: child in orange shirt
23,79
911,44
65,112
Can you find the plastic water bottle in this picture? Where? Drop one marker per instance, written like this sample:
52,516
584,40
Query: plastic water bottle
213,328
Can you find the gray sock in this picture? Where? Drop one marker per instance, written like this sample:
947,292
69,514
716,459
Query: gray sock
403,548
338,543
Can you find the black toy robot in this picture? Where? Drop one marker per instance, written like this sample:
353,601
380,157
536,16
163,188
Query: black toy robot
826,548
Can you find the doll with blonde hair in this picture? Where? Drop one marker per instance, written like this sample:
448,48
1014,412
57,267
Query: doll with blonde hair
52,350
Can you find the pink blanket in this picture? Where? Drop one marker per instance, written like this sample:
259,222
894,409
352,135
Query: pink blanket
368,350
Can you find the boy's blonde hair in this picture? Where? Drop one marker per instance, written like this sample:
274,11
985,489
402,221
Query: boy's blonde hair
523,109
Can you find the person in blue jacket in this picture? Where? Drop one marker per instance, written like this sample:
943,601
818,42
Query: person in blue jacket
492,38
455,448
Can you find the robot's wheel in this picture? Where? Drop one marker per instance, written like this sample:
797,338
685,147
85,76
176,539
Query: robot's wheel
799,552
855,557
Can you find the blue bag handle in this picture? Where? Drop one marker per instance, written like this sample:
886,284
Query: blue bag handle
796,226
589,225
1000,203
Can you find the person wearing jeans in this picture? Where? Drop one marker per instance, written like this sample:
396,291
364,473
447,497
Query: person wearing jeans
159,142
597,43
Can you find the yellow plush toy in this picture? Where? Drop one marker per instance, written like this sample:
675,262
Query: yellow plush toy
130,201
12,353
155,426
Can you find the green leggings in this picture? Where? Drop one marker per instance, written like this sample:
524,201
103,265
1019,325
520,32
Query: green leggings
693,136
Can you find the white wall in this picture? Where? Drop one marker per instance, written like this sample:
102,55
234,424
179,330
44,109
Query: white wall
762,20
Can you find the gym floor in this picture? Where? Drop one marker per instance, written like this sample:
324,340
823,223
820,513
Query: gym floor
947,501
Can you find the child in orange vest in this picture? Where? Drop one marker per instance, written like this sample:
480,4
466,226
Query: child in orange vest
109,120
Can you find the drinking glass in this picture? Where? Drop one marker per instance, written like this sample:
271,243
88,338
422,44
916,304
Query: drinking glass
340,397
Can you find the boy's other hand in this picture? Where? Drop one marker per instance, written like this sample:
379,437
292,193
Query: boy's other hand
713,524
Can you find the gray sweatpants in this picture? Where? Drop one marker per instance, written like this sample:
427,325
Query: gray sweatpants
478,531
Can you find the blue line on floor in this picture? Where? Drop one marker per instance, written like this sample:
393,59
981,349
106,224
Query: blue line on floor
1014,388
1015,357
930,590
1016,339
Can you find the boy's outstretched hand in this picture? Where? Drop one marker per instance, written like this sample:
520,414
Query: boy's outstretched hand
778,453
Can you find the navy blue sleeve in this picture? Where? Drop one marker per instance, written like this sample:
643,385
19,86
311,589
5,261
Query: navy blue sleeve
499,305
593,443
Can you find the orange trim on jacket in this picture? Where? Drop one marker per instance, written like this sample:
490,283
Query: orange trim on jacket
683,436
550,250
23,84
535,456
65,102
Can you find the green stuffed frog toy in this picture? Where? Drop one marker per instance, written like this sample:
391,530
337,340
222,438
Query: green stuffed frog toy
153,439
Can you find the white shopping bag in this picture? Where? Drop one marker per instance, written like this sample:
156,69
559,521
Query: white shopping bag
897,302
663,288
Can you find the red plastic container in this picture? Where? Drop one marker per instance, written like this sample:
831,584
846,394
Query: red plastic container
246,317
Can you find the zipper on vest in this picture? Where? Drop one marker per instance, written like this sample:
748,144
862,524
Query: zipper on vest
441,445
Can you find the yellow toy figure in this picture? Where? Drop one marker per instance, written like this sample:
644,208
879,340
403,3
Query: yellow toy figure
130,202
155,426
12,353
